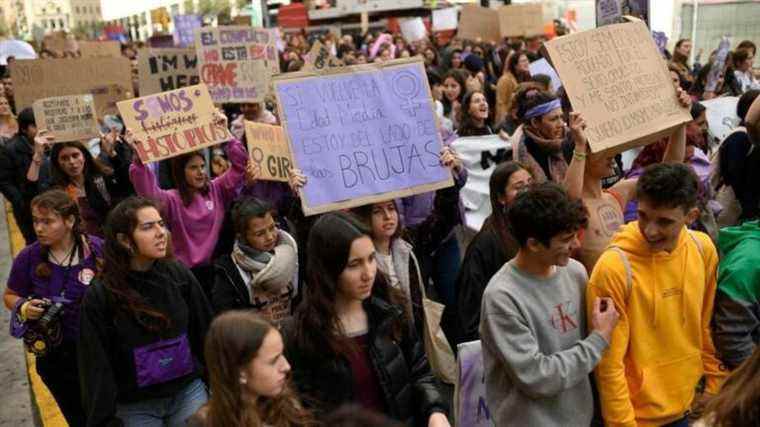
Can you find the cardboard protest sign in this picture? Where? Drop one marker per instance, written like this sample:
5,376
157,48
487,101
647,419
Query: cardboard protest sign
320,58
162,69
172,123
107,79
362,134
67,118
617,80
470,405
413,29
445,19
480,155
521,20
542,66
612,11
269,149
477,22
55,42
236,63
89,49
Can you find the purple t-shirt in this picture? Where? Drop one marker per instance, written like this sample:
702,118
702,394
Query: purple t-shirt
72,282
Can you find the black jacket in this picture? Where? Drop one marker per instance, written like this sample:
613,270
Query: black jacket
484,257
15,158
108,338
410,390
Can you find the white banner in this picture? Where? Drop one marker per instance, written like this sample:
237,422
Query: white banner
445,19
721,117
480,155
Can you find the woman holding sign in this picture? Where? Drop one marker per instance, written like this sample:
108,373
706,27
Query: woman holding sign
351,339
195,210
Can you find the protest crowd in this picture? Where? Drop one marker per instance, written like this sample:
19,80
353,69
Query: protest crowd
346,279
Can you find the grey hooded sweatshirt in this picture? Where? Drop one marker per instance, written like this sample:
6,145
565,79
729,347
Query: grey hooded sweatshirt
536,354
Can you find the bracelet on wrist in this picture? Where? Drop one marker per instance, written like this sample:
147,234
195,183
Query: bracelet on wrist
580,156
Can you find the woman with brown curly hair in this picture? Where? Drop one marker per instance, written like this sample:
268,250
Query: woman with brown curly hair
57,269
248,374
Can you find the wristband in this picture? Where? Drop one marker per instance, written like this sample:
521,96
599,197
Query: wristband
579,155
22,311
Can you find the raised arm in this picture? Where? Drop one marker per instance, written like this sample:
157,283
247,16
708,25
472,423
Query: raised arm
142,176
574,177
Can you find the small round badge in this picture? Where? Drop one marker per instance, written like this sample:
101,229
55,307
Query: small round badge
210,205
86,276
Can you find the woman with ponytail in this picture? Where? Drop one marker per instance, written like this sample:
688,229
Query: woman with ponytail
142,327
248,374
45,288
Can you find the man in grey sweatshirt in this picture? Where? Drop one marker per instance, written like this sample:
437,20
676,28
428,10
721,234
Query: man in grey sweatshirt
536,353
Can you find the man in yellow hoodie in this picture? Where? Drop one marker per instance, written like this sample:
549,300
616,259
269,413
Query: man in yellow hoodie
662,278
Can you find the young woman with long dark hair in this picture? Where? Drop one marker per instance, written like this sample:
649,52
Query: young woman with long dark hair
351,340
57,269
249,376
491,247
96,186
143,322
195,210
473,120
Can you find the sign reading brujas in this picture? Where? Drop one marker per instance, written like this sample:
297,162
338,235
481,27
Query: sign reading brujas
236,63
172,123
363,134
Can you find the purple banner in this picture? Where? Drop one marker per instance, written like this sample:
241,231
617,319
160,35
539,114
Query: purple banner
362,133
184,29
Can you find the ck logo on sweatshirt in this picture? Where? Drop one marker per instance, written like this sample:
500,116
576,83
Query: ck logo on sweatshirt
562,317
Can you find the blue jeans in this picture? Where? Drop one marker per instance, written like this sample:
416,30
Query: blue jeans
169,411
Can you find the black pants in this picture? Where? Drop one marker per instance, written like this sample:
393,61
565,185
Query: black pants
60,373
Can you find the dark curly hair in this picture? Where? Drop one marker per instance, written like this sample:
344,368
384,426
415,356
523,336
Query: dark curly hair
529,99
247,209
543,212
669,185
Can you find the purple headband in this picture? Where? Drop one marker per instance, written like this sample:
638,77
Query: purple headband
540,110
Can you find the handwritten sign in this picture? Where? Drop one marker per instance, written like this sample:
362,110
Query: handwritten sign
521,20
615,76
107,79
67,118
362,134
166,69
172,123
236,63
89,49
717,68
613,11
413,29
471,407
445,19
320,58
477,22
184,29
269,149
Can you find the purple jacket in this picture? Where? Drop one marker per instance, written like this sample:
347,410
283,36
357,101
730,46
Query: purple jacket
25,282
195,228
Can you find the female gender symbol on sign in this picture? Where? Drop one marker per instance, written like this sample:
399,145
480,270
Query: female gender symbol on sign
406,86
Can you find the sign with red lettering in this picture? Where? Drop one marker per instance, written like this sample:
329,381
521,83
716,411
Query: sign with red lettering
269,149
236,63
172,123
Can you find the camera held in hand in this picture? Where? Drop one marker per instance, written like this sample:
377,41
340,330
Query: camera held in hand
52,314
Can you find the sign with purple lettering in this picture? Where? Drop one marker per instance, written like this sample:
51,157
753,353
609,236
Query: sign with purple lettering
184,29
172,123
362,134
236,63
